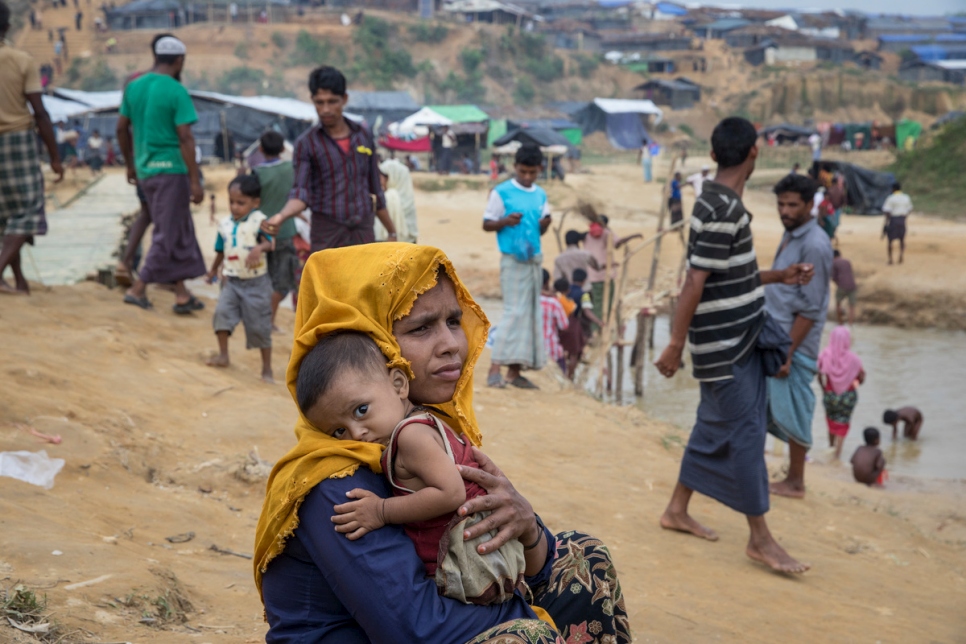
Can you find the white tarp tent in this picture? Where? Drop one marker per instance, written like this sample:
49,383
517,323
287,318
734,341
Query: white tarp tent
629,106
416,124
62,110
110,100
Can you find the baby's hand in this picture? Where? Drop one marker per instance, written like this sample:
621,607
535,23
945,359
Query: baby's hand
356,518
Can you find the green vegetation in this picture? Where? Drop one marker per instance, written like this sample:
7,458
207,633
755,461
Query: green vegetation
429,32
311,51
377,59
91,76
241,50
245,80
932,174
524,93
586,65
532,55
279,39
23,606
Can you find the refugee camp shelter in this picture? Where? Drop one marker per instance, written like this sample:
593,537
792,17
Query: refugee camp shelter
624,120
866,190
678,94
631,41
868,60
540,136
155,14
719,28
565,127
489,11
787,133
225,123
379,109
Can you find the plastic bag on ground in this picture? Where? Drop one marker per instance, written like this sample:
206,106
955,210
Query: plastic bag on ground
35,468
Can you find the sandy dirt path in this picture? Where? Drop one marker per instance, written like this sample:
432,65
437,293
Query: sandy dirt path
157,445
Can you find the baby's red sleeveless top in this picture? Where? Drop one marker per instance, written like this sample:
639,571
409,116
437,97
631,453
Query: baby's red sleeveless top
426,535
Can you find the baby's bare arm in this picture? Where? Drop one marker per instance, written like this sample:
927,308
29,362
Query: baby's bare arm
422,457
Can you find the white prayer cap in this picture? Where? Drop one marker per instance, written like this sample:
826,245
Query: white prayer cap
705,167
169,46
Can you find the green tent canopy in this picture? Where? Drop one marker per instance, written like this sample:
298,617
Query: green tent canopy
497,129
461,113
906,129
574,135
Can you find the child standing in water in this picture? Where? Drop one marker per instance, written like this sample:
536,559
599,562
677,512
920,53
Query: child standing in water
345,389
840,373
868,463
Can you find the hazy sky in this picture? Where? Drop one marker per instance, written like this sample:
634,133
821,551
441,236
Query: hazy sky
918,7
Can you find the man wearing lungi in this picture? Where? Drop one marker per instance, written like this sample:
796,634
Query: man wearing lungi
721,312
897,207
162,163
519,213
801,311
21,179
336,173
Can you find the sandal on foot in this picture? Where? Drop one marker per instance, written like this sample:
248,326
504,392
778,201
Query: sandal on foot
142,301
496,381
184,309
195,304
522,383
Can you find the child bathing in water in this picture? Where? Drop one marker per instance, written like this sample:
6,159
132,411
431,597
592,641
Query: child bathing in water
346,391
868,463
840,373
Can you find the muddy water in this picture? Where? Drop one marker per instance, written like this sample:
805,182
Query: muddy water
924,368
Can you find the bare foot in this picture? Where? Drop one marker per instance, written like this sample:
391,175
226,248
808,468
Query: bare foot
217,361
684,523
275,329
6,289
267,378
774,556
791,490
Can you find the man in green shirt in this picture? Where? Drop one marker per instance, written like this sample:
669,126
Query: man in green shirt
277,177
162,162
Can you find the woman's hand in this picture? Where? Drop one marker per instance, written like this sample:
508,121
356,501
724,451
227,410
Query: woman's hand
512,516
356,518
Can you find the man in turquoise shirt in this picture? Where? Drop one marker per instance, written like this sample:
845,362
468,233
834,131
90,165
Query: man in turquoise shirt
518,212
162,162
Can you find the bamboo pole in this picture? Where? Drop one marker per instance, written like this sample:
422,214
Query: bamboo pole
640,355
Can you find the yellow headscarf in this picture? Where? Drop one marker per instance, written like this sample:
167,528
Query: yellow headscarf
360,288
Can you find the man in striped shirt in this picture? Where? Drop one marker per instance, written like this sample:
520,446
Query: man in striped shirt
336,173
721,312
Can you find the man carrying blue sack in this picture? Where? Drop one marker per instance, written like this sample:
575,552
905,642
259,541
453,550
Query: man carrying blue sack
518,212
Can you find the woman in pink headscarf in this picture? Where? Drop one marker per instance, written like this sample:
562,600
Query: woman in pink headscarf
840,372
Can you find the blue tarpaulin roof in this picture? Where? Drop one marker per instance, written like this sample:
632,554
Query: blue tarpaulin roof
671,9
903,37
929,53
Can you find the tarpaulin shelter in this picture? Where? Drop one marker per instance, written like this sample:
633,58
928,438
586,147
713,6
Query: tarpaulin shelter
906,129
379,109
498,127
540,136
155,14
787,132
622,119
570,130
225,122
851,129
866,190
417,144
